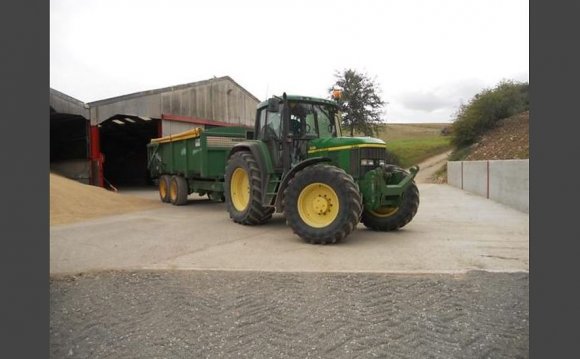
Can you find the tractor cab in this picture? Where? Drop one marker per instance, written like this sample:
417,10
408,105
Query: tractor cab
290,124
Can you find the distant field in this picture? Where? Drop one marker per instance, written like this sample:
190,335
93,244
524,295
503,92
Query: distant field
415,150
398,131
414,143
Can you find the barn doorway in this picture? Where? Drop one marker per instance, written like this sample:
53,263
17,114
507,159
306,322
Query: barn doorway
123,142
69,146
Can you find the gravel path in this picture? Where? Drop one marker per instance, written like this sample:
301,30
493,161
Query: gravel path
197,314
430,166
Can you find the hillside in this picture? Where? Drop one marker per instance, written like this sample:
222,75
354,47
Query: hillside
508,140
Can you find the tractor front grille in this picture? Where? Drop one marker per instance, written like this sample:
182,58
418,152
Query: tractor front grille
365,153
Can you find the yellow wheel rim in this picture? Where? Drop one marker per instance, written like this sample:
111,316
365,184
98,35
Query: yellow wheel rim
173,190
163,188
318,205
240,189
385,211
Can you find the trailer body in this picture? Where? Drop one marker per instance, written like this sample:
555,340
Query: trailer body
198,156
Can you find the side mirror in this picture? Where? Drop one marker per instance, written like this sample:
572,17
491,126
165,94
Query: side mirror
273,104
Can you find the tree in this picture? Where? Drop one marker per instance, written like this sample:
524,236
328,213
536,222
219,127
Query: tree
360,103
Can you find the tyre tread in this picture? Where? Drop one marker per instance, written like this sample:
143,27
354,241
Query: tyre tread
351,201
256,213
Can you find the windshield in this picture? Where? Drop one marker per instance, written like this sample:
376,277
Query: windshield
312,120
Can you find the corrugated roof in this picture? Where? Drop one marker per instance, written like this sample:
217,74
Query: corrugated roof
63,103
168,89
66,97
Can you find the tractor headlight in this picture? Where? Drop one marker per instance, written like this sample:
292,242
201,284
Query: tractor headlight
381,162
366,162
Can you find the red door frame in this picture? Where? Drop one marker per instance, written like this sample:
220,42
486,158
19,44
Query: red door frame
96,157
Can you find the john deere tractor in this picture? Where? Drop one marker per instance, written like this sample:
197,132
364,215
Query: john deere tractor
299,164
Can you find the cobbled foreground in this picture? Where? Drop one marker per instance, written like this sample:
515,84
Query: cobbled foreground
198,314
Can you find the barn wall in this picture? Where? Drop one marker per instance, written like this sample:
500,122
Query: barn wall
218,99
146,106
65,104
173,127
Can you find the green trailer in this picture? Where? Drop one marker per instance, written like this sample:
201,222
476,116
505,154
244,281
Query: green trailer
193,161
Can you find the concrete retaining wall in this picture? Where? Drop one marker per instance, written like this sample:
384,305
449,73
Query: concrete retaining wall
79,170
504,181
454,170
475,177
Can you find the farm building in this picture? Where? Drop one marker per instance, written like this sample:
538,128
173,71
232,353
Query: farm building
104,142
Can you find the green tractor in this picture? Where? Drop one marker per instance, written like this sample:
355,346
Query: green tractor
300,165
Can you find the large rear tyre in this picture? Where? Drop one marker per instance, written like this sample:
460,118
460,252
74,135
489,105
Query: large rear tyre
243,190
322,204
164,188
393,218
178,191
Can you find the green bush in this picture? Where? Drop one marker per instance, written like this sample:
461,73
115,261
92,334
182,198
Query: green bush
459,154
486,108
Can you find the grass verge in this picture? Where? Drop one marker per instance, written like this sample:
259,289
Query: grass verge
413,151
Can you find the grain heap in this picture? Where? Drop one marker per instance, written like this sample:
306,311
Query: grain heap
71,201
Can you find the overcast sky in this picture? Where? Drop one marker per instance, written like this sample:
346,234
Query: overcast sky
427,56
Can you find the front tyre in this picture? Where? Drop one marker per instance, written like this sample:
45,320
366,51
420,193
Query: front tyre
322,204
393,218
243,190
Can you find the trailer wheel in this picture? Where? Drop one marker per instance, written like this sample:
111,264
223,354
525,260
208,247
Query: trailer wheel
178,190
322,204
243,190
392,218
164,188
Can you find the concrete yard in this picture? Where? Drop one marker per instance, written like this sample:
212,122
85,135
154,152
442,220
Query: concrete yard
453,283
453,232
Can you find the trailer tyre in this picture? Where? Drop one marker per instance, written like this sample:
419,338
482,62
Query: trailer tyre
178,191
322,204
164,188
243,190
392,218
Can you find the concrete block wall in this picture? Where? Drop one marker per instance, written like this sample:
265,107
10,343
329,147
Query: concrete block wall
454,171
79,170
475,179
504,181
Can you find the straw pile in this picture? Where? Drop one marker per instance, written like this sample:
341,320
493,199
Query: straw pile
72,201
